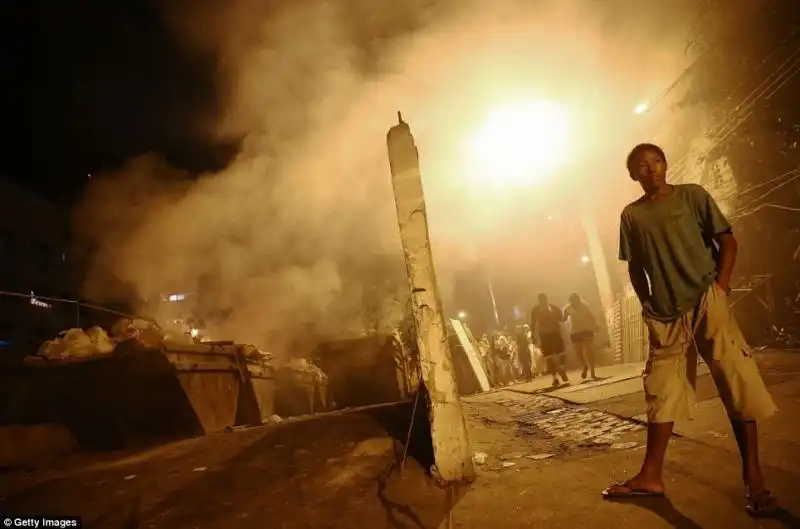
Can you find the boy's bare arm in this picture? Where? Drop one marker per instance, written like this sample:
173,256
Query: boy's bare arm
728,247
639,281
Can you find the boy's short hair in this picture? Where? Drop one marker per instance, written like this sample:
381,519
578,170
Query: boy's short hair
643,147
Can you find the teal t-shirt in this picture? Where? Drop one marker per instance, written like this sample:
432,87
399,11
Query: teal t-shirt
673,241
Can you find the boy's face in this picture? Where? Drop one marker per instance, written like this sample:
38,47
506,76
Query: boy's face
649,168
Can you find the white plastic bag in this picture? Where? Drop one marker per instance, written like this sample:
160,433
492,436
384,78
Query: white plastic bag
100,340
78,345
52,349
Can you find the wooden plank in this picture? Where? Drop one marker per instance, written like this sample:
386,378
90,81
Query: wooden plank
472,354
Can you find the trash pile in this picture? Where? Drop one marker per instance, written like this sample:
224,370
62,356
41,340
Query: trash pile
251,352
77,343
305,369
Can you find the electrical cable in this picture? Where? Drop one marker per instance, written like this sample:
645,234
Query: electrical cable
60,300
744,109
777,75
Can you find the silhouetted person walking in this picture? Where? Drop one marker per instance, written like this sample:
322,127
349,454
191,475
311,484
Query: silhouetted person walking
524,352
582,327
546,319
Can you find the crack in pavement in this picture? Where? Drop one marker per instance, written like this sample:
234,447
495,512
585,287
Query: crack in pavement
390,506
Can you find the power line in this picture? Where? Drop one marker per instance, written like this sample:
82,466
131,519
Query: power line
764,61
685,73
776,80
780,73
753,187
60,300
744,211
680,163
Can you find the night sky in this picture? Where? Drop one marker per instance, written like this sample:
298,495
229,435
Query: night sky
89,84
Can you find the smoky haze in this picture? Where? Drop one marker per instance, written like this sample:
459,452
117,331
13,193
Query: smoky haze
297,238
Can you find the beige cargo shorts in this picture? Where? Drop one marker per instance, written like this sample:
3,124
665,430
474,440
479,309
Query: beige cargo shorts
711,331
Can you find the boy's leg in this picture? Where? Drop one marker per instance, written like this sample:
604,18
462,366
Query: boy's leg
740,386
669,391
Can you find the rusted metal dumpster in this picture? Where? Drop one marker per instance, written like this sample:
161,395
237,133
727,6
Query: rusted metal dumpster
364,371
138,394
257,396
78,393
299,393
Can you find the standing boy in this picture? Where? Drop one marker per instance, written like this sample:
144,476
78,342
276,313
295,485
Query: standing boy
680,251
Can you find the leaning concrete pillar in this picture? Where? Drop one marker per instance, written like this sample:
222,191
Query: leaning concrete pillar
451,447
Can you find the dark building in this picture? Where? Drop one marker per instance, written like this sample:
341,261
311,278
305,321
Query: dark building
34,261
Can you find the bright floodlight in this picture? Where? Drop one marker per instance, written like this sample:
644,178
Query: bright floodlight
641,108
462,315
520,143
585,259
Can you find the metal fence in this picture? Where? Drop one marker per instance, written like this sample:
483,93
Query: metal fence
627,330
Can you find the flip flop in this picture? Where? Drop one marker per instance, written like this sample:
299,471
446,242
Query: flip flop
614,492
761,505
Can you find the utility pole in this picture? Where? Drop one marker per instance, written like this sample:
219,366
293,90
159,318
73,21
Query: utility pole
494,301
600,267
451,449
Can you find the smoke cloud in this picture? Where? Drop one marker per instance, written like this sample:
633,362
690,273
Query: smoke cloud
296,239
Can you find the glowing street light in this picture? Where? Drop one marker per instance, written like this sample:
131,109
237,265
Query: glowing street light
519,143
462,315
641,108
585,259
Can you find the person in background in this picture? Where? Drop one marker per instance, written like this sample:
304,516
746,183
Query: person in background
524,352
539,363
546,319
582,327
487,358
502,358
681,251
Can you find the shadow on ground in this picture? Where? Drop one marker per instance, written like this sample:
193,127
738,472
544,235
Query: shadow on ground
663,508
335,471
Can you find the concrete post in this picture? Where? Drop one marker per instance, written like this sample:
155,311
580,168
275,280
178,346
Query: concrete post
600,267
451,448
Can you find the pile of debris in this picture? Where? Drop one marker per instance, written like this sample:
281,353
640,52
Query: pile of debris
305,369
77,343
